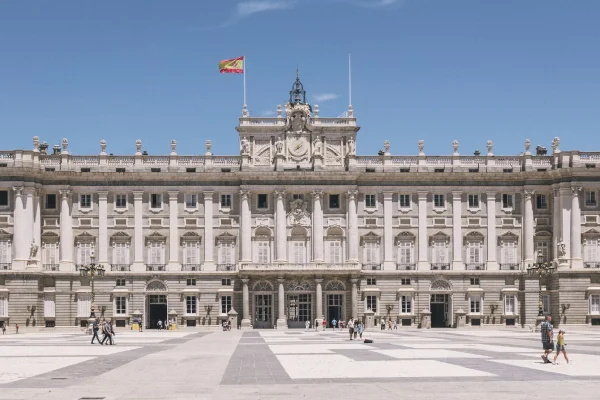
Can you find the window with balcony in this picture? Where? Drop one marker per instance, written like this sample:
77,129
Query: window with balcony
5,254
474,253
263,252
121,254
475,304
371,253
541,202
335,251
227,252
226,304
191,254
542,248
591,252
405,254
370,200
439,201
121,305
404,200
372,303
510,304
508,255
156,255
439,252
120,201
84,253
298,252
406,304
190,305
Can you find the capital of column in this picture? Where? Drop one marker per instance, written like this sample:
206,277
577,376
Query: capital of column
352,194
456,193
490,195
173,194
529,193
319,280
354,281
280,280
422,195
317,194
103,195
208,194
245,281
280,194
555,193
575,190
245,194
18,190
29,191
387,195
137,195
65,194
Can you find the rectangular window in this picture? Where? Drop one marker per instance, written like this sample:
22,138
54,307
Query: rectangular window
404,200
473,201
371,281
405,253
297,196
190,305
155,200
225,304
226,200
120,282
263,201
406,304
475,281
371,253
191,253
590,198
594,304
298,252
405,281
439,201
226,255
543,249
85,201
226,282
190,282
335,251
541,202
121,253
590,252
50,202
263,252
474,252
475,304
510,304
49,255
120,201
370,200
191,201
439,252
546,304
3,306
509,253
372,303
49,305
84,304
84,253
3,198
120,305
5,252
334,201
507,200
156,253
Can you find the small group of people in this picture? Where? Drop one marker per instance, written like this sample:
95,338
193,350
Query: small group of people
227,325
390,324
338,324
166,325
355,328
107,331
548,345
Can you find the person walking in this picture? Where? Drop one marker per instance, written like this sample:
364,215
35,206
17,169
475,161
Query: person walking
324,324
4,328
351,328
560,347
307,325
361,328
112,333
382,324
159,324
395,325
95,329
106,333
334,323
546,329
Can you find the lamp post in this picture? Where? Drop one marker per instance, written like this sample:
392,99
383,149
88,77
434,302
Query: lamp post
92,269
541,269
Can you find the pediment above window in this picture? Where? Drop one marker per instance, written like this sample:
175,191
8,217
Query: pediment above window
49,237
226,237
156,237
543,235
508,237
85,237
5,235
335,232
474,237
405,237
262,233
120,237
370,237
591,234
439,237
191,237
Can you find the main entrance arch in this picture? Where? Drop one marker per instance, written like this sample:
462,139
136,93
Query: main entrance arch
440,303
156,304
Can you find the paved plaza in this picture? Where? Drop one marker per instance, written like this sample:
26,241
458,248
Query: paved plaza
267,364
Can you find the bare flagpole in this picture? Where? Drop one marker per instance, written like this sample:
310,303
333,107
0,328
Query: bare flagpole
244,81
349,80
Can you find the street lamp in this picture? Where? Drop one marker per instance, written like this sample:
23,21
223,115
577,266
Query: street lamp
541,269
92,269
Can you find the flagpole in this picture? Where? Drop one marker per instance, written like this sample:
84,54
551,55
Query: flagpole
244,64
349,80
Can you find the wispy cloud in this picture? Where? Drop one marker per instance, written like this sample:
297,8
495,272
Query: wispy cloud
320,98
267,113
248,8
372,3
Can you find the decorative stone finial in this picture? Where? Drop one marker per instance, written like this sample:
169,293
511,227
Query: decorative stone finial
138,147
208,147
386,146
245,113
173,147
316,111
527,147
555,144
36,144
65,145
421,144
490,146
103,147
279,111
455,147
350,112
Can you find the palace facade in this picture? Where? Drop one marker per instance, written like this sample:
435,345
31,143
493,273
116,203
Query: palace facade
298,228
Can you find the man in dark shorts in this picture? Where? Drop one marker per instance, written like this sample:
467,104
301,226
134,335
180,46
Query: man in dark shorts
547,338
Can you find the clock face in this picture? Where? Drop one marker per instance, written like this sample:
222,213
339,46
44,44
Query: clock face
298,147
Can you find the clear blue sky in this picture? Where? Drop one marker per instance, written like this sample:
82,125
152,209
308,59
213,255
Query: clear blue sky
436,70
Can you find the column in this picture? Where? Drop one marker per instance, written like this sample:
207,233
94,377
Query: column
457,263
102,227
37,226
29,216
528,231
245,304
20,227
319,303
246,229
66,232
317,221
576,259
565,237
280,226
173,232
555,223
492,263
281,322
352,226
209,262
138,232
423,263
388,239
354,296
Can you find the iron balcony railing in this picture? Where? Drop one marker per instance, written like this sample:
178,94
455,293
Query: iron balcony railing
405,267
440,266
5,266
591,264
120,267
475,266
155,267
225,267
509,267
371,267
191,267
51,267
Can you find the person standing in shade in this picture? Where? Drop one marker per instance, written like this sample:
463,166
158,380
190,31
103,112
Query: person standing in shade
547,338
95,329
159,324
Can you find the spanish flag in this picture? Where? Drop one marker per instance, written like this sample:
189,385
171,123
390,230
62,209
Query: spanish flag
233,66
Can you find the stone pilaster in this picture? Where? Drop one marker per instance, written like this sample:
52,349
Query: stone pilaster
280,226
317,238
423,263
245,304
20,226
492,263
138,233
354,297
66,232
174,264
528,229
246,227
209,245
103,227
319,303
352,226
281,320
388,240
457,263
576,259
565,237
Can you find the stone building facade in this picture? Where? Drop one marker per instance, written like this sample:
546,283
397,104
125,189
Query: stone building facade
298,227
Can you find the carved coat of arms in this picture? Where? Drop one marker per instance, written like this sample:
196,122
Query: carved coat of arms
298,214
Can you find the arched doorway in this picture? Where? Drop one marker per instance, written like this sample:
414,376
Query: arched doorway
440,303
263,305
299,304
156,304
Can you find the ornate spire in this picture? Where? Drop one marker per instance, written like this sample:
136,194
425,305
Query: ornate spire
297,94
